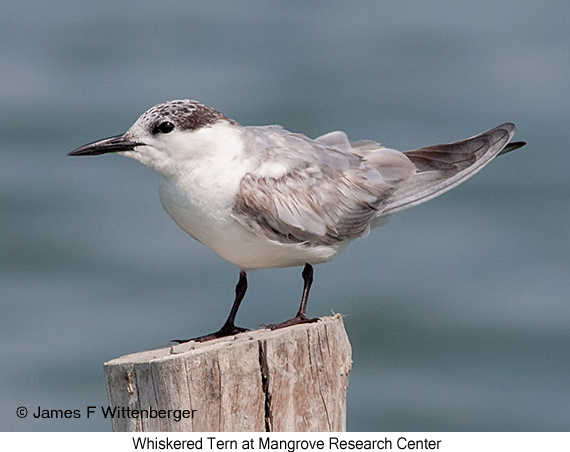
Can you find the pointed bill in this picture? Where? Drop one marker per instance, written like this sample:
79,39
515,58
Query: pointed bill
113,144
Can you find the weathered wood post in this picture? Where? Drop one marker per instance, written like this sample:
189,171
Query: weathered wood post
293,379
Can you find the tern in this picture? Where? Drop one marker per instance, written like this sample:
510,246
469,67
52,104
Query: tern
264,197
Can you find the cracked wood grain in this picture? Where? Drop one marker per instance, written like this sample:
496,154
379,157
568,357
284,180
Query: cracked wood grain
294,379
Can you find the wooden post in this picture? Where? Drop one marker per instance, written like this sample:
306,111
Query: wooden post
293,379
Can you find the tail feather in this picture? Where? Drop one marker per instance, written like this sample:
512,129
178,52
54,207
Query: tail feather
512,147
444,166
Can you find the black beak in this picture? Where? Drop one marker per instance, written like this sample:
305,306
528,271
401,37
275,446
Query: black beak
112,144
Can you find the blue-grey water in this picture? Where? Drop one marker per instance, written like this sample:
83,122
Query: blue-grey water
458,310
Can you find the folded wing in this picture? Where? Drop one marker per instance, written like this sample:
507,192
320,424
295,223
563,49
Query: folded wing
327,190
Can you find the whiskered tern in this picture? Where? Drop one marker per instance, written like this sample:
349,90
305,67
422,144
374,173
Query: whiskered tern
265,197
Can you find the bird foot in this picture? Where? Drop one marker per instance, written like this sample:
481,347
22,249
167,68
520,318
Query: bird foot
226,330
298,319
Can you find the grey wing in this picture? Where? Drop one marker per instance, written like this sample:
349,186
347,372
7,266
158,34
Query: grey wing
444,166
324,197
306,207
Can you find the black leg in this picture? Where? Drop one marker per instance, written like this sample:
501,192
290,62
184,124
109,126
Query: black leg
300,317
228,329
308,282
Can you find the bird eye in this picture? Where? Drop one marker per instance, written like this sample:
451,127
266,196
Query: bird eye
164,127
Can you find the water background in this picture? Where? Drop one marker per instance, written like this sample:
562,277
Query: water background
458,310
